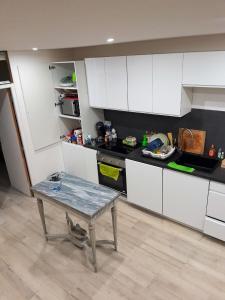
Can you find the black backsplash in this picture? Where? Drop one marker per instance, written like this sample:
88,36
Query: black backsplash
213,122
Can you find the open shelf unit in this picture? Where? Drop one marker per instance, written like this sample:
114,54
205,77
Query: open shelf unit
63,93
88,116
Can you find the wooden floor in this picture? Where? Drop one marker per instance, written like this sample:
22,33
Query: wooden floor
157,259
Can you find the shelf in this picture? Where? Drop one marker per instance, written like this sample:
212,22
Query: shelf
72,88
70,117
6,86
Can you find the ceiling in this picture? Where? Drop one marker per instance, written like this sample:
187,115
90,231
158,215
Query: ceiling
74,23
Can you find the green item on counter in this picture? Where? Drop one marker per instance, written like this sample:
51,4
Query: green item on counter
175,166
109,171
145,140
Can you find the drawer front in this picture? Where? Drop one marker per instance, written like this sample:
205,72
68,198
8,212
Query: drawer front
217,187
214,228
216,206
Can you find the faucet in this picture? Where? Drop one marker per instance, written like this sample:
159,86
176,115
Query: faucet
181,137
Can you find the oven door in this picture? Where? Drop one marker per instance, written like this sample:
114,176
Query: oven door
119,184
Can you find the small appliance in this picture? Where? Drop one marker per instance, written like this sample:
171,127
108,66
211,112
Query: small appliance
70,106
100,128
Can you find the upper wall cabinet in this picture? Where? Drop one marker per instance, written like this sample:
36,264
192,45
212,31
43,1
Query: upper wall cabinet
139,72
116,82
204,69
107,82
95,70
168,96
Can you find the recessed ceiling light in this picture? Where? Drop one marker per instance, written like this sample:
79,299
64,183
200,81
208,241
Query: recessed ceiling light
35,49
110,40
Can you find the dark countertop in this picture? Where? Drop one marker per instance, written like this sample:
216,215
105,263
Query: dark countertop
217,175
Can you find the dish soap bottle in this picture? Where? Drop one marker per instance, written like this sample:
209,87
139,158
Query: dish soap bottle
212,151
144,140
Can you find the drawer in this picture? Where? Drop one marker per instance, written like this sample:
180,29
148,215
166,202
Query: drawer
217,187
216,206
214,228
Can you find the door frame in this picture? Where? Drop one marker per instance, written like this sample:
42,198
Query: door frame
8,91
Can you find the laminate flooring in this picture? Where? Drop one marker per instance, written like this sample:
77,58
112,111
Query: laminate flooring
157,258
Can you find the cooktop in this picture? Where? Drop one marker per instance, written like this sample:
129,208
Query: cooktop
118,147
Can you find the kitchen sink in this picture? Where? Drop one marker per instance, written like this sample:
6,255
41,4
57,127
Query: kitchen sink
197,162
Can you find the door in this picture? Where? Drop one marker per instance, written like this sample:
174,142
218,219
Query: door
144,185
95,71
74,159
139,72
39,98
12,145
167,79
91,165
116,82
204,68
185,198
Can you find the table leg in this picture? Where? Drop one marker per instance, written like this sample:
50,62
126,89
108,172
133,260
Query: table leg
114,223
42,215
91,228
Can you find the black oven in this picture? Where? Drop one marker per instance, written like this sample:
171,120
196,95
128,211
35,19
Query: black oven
118,183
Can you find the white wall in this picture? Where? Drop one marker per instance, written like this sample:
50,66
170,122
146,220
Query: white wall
209,98
43,162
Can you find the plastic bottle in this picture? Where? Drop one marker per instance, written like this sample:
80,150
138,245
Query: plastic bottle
144,140
212,151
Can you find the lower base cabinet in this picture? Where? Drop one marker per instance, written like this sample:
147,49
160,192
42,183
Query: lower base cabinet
185,198
91,165
80,161
144,185
214,228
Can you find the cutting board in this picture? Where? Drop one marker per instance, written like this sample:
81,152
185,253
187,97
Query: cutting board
195,145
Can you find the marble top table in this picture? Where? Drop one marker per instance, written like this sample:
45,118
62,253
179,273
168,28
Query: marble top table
85,199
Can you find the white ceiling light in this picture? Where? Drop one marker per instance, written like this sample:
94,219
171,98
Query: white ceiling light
35,49
110,40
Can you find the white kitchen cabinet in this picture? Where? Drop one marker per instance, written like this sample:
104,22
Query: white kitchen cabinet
204,68
107,82
116,82
91,165
169,98
144,185
96,80
216,205
74,159
80,161
140,72
39,98
185,198
214,228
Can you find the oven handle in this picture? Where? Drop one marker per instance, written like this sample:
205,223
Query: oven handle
120,169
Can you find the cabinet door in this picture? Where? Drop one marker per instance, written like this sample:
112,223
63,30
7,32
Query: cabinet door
144,185
74,159
116,82
39,99
185,198
167,79
95,70
204,68
139,72
91,165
